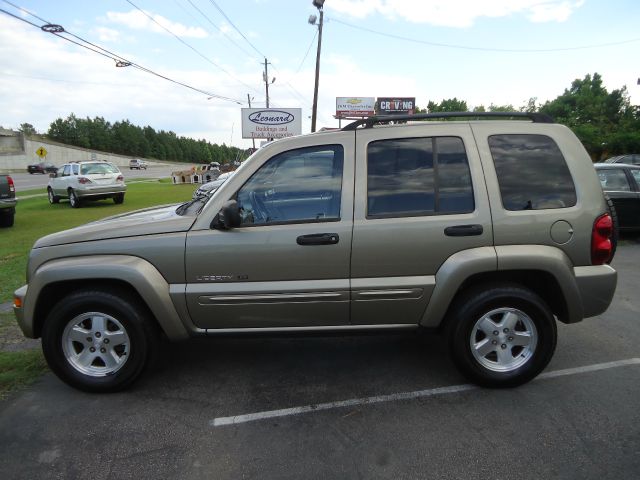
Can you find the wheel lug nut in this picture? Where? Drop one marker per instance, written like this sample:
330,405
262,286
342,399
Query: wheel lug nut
495,332
106,340
102,350
98,334
510,339
506,330
92,349
503,346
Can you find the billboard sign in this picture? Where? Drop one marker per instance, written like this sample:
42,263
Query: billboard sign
396,105
355,106
271,122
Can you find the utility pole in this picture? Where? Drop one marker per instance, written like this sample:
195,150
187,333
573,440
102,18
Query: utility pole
265,75
314,114
253,140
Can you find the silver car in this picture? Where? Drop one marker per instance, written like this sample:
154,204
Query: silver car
80,181
210,187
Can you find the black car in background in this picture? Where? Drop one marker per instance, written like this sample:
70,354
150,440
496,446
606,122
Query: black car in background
42,167
622,183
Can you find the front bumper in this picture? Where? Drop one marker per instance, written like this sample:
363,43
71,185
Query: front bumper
19,298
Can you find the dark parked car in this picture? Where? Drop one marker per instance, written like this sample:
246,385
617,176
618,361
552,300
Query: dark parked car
7,201
621,182
631,158
42,167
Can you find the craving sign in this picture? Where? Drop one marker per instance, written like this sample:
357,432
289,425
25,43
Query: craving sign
271,122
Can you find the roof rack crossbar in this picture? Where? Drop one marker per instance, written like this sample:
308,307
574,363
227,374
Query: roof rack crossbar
371,121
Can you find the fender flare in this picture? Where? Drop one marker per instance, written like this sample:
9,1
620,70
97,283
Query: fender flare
135,271
463,265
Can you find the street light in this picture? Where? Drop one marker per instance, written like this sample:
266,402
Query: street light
312,20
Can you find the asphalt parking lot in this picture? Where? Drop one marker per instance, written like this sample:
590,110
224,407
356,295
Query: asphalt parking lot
356,407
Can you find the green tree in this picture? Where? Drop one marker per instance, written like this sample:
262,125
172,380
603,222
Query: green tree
606,123
27,129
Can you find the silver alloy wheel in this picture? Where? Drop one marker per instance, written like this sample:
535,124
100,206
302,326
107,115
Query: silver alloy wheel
503,340
95,344
73,198
51,199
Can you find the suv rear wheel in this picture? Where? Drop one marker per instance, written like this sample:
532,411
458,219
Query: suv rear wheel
74,200
98,341
501,335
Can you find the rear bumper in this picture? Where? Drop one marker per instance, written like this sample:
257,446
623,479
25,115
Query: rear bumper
8,203
596,285
100,190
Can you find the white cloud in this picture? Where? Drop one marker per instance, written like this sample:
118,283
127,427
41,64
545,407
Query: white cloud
457,13
137,20
107,34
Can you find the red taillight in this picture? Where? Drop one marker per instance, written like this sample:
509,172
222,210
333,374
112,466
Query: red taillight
12,187
601,246
120,178
83,180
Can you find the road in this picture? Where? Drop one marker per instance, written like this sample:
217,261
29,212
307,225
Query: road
579,420
25,181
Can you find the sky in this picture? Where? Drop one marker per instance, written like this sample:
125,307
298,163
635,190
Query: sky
484,52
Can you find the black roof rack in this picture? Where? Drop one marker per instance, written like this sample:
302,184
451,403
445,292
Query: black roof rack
371,121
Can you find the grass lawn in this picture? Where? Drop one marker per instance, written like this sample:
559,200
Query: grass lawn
35,217
17,368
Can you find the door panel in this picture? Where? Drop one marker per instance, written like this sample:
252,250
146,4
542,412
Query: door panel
400,224
260,275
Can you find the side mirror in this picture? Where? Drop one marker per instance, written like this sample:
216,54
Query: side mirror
229,216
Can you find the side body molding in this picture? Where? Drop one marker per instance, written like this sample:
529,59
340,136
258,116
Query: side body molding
137,272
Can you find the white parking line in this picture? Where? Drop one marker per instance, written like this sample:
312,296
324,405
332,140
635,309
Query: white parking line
252,417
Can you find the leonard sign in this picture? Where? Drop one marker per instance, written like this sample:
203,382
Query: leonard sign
271,122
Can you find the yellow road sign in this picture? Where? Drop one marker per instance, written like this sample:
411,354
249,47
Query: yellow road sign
41,152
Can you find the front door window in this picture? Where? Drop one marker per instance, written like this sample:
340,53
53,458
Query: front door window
298,186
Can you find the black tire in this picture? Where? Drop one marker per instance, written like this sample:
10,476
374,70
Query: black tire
614,218
52,197
118,198
67,351
501,305
7,218
74,201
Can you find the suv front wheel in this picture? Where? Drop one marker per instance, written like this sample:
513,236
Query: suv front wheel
501,335
98,341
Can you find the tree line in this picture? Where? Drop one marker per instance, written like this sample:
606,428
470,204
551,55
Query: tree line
127,139
606,123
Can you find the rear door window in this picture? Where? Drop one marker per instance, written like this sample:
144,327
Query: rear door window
418,176
614,180
532,172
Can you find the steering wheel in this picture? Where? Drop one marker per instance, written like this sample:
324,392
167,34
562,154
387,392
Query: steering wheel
259,207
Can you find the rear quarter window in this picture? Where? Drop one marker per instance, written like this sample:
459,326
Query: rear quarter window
532,172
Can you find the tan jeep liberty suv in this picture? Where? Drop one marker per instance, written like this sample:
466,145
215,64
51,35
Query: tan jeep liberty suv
488,229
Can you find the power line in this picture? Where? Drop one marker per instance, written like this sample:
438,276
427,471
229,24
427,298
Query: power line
220,30
483,49
236,28
59,31
189,46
